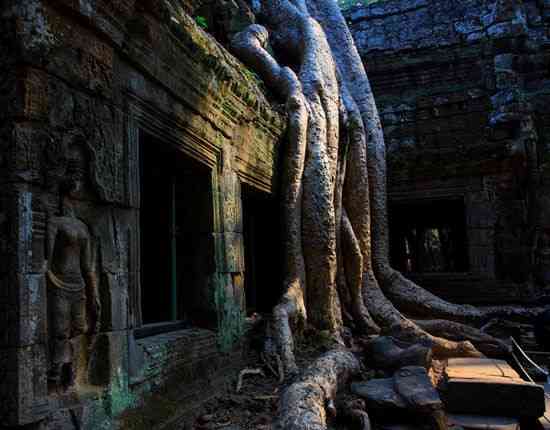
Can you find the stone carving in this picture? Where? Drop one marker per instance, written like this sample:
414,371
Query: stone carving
73,299
105,177
54,161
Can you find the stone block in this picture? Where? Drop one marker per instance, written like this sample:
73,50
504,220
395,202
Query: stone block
504,62
63,419
183,351
481,236
481,422
413,384
409,395
490,387
87,60
380,395
136,360
479,368
28,140
230,252
8,387
23,386
231,203
24,316
33,84
32,318
21,229
108,361
506,30
482,260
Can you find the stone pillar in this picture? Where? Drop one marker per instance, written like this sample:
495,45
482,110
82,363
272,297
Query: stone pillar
480,222
228,287
512,119
23,346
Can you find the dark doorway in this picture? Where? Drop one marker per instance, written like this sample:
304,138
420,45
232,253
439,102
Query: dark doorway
175,232
262,250
428,236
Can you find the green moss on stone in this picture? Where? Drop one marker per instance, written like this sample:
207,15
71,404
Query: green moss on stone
230,319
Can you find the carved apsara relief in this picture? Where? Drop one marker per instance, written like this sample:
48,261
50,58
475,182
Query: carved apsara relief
73,298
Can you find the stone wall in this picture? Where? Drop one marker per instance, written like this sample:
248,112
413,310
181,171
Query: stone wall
81,82
461,88
178,370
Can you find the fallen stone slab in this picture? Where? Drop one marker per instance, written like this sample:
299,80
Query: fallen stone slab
380,396
489,387
481,422
413,384
479,368
409,393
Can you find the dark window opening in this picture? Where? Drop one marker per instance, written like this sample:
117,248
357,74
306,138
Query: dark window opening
428,236
262,250
176,233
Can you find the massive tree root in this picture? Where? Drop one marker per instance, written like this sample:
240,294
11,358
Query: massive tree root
486,343
334,177
401,291
304,403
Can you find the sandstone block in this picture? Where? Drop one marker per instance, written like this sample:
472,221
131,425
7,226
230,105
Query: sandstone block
480,422
414,385
380,395
490,387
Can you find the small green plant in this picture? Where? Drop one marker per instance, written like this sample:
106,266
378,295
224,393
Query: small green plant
201,22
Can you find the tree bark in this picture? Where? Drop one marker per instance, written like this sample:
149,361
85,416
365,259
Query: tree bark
291,310
303,404
334,192
334,205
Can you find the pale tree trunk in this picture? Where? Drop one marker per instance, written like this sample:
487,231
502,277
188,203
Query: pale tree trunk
370,177
334,203
321,192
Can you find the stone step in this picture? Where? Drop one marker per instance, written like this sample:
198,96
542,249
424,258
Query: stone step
409,396
480,422
480,368
380,396
414,386
489,387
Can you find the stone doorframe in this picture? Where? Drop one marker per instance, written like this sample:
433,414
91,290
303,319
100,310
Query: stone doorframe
217,155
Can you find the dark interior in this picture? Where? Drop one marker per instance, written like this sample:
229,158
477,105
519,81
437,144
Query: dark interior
173,183
263,253
428,236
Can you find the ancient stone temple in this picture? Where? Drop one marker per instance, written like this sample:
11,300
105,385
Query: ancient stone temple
462,89
139,221
136,158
